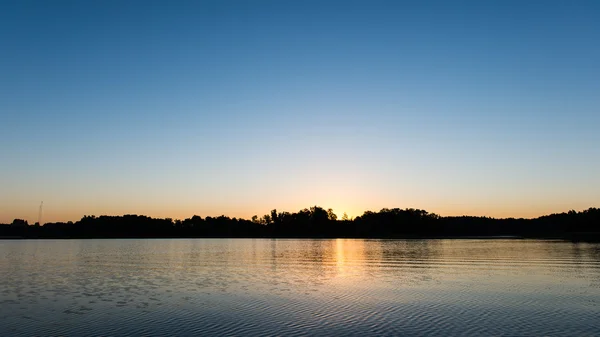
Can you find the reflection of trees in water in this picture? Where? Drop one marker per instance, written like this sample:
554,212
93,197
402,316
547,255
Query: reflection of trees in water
594,252
302,264
311,261
408,261
317,262
586,264
417,250
595,255
140,269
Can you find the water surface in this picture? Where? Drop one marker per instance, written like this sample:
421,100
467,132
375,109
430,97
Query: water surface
298,287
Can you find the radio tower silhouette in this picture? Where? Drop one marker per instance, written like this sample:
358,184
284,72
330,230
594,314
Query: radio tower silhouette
40,214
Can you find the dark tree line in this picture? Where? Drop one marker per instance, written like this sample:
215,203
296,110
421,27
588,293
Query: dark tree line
317,222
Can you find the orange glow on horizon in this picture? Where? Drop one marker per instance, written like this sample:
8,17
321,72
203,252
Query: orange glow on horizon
59,212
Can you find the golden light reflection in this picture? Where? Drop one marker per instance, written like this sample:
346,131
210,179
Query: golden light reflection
349,256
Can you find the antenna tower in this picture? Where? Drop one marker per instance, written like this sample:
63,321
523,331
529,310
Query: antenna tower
40,214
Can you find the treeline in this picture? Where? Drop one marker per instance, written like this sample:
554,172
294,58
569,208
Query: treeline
316,222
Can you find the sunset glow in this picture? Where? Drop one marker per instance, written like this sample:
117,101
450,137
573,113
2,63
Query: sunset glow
212,108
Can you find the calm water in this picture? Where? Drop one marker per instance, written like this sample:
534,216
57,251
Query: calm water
299,287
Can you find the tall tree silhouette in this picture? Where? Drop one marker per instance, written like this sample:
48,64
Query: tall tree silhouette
318,222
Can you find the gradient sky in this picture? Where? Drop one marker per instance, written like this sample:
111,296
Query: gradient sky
170,108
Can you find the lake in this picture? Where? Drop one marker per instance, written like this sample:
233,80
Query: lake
257,287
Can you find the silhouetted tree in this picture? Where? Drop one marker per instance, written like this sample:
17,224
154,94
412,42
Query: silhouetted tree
330,215
19,223
266,219
318,222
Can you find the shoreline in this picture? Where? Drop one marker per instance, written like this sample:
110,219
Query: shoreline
595,237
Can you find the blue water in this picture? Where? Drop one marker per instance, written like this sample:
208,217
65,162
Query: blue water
298,287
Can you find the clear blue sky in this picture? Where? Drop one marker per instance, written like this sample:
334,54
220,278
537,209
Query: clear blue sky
170,108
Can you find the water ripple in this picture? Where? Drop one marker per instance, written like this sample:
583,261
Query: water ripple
299,287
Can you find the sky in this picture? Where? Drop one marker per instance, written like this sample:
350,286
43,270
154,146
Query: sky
176,108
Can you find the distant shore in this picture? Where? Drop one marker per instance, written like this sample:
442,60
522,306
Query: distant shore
577,237
316,222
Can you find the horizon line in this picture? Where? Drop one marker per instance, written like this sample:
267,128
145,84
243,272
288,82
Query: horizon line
325,208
